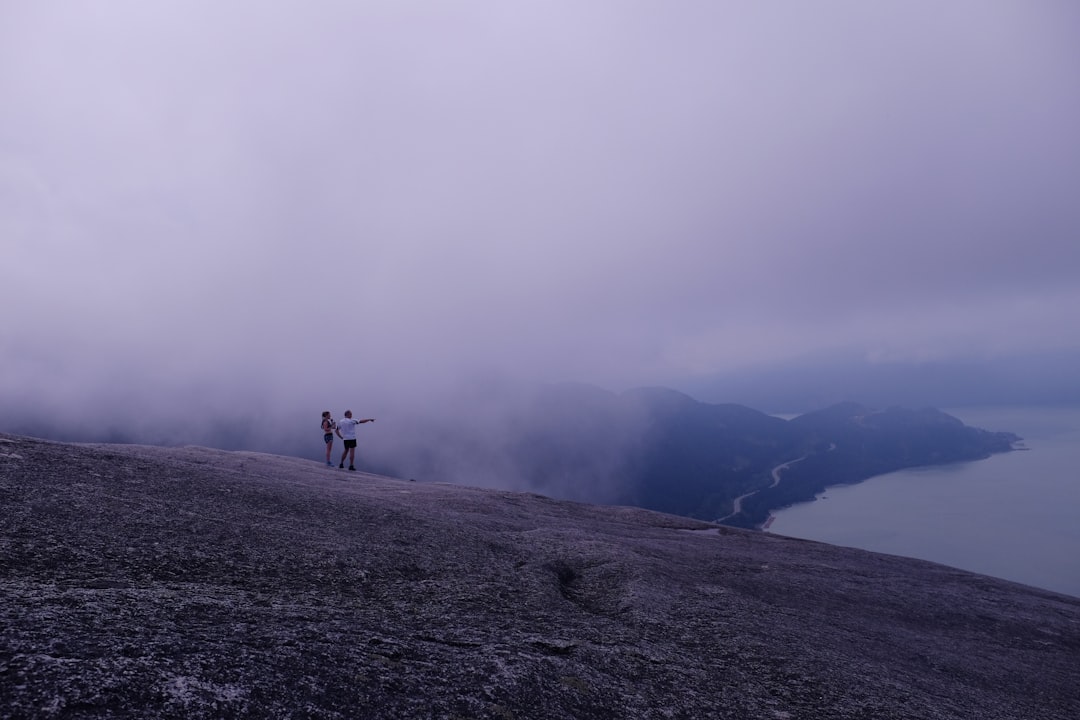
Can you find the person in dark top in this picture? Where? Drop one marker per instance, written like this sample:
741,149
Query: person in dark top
328,427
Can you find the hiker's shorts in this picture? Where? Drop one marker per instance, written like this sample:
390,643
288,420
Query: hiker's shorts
328,438
350,444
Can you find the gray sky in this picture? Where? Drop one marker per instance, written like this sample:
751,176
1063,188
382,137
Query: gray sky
207,203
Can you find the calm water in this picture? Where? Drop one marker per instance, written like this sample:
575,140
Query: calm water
1014,516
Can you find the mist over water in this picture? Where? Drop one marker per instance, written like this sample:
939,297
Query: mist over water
1012,516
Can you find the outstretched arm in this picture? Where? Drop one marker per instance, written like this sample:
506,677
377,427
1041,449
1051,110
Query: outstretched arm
368,420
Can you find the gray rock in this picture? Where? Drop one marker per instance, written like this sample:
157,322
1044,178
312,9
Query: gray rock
148,582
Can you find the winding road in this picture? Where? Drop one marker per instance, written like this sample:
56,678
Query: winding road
737,504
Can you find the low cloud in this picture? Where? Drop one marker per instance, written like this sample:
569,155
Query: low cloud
214,212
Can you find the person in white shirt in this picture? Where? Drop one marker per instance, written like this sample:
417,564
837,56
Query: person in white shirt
346,430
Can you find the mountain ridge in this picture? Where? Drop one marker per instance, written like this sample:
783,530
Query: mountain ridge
692,458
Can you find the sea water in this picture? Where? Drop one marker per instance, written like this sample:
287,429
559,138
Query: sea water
1014,515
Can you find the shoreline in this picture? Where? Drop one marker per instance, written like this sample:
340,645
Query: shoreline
921,513
1017,446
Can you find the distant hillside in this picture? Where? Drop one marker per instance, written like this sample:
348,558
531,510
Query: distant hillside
849,443
151,583
695,458
662,450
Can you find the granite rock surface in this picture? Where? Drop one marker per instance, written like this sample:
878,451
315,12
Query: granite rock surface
149,582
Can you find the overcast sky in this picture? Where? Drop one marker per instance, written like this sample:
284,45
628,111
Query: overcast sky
299,202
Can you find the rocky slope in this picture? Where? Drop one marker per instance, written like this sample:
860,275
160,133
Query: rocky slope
144,582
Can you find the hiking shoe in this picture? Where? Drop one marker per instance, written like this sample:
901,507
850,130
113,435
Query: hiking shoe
329,464
351,467
342,466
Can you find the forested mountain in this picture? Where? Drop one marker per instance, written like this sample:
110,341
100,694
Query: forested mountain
662,450
848,443
696,458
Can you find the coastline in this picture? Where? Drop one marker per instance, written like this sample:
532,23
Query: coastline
1011,515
